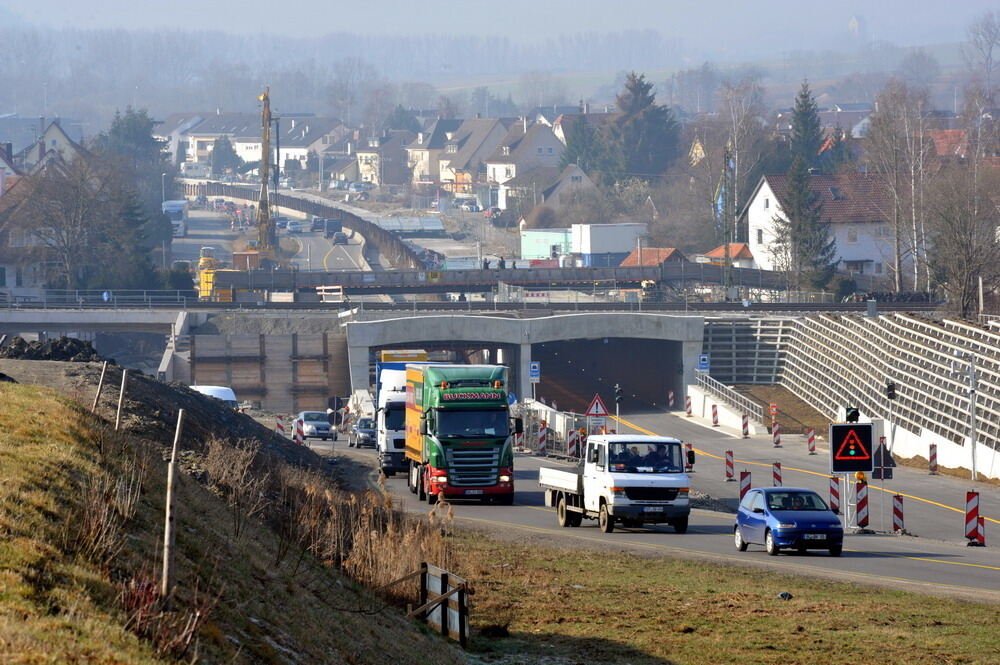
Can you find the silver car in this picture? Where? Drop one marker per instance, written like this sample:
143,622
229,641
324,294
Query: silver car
316,425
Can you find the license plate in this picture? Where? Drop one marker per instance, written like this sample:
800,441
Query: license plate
473,491
814,536
652,509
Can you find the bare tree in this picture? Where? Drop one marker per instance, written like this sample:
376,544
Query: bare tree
743,110
919,69
541,89
983,47
352,81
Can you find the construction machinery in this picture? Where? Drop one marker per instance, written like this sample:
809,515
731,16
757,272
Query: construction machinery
267,239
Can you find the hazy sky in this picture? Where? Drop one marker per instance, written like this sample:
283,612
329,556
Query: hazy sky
751,25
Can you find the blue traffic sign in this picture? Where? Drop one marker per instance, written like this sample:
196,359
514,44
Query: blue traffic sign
511,399
535,371
704,362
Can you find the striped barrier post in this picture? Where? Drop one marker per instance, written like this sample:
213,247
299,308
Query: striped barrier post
279,425
897,513
729,467
744,483
776,474
972,517
542,441
715,415
981,532
746,426
670,399
835,494
687,405
688,447
776,434
862,497
300,435
571,443
811,440
932,460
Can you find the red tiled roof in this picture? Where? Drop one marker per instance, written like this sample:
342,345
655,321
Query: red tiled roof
737,250
845,197
653,256
948,142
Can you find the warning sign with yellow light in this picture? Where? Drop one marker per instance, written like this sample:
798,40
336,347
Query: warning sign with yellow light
851,447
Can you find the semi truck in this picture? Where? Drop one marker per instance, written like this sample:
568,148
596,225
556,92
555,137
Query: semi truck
459,433
177,212
390,407
634,480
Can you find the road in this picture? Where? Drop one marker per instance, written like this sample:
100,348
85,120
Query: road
937,562
316,252
205,228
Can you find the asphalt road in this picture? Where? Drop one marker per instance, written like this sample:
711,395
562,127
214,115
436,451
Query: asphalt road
316,252
937,561
205,229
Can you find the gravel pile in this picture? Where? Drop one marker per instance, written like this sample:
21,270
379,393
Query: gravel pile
65,349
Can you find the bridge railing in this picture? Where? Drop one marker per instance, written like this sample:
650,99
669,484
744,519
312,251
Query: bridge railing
730,396
97,299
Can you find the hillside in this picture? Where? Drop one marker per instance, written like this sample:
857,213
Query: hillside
271,557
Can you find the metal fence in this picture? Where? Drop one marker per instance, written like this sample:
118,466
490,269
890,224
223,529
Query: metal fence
97,299
730,396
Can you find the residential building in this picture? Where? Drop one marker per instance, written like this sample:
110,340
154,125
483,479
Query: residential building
23,132
173,130
525,147
199,139
424,152
382,160
598,121
53,145
571,183
462,163
652,256
854,205
740,256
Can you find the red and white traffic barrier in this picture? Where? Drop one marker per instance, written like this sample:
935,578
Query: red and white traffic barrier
687,405
746,426
744,483
300,435
835,494
862,497
897,512
932,460
972,518
670,399
729,467
542,440
776,474
776,434
279,425
571,443
811,440
688,447
981,533
715,415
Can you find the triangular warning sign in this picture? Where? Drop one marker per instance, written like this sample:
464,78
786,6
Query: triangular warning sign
883,457
852,448
597,407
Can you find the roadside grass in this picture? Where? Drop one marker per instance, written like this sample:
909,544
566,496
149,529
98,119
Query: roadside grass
581,606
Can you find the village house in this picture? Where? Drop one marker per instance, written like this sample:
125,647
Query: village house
382,159
525,147
740,256
652,256
462,164
424,152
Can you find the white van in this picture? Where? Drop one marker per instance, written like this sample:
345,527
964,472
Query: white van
219,392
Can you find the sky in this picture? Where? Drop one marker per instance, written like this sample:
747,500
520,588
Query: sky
750,25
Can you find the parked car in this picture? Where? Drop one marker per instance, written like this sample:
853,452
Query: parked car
280,222
295,226
787,518
492,212
317,224
339,238
315,425
471,206
358,187
362,433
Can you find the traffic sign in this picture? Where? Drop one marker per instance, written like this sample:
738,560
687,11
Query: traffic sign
851,447
704,362
511,399
884,463
597,408
535,371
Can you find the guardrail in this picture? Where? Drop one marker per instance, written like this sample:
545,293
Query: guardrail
730,396
98,299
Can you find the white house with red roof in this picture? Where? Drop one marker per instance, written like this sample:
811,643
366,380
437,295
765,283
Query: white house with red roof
740,256
855,206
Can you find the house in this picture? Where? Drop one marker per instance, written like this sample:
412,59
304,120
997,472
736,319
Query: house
19,275
463,160
599,121
854,204
424,152
172,132
297,137
652,256
525,147
8,172
53,145
199,139
740,256
547,115
854,119
382,160
23,132
571,183
949,144
523,192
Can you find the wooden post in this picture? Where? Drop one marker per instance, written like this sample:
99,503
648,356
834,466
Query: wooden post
463,614
121,399
100,387
423,584
443,607
167,579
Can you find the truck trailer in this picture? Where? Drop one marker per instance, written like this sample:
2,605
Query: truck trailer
459,433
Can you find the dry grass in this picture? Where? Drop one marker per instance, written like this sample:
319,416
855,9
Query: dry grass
598,607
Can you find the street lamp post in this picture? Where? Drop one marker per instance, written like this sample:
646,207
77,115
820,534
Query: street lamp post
163,187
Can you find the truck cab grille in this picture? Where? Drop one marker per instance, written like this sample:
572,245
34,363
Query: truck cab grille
477,467
651,493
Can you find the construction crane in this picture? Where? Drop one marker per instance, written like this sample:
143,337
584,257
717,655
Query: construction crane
267,241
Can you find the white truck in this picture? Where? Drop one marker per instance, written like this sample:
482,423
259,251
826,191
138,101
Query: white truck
177,212
390,419
632,479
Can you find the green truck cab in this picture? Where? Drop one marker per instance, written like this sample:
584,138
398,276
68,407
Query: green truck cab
459,434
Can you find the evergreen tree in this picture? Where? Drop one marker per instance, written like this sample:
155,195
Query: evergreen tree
401,118
585,147
645,134
807,134
224,157
804,248
122,242
838,158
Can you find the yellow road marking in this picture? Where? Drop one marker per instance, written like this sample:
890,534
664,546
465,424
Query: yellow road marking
792,468
325,266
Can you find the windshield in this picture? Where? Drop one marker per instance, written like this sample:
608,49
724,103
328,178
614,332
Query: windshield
636,457
314,416
795,501
472,423
366,423
395,415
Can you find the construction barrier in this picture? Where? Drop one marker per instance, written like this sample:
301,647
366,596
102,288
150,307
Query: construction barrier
744,483
688,447
981,533
300,435
932,459
746,426
670,399
572,440
776,474
543,435
687,405
972,516
729,466
811,440
897,512
835,494
279,425
776,434
715,415
862,497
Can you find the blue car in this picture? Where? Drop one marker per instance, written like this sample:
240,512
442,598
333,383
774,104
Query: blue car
787,518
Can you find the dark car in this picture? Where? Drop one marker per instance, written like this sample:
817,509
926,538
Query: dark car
317,224
362,433
339,238
331,226
787,518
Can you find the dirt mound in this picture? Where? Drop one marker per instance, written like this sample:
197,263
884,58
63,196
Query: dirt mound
66,349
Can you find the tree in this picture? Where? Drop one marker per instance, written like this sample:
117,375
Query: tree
585,147
743,110
982,47
401,118
224,157
122,237
540,89
644,134
837,158
919,69
803,247
807,133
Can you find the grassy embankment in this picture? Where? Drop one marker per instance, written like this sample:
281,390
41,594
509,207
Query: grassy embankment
81,514
611,607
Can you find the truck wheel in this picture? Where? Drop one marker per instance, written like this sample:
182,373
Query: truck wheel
681,525
431,498
505,499
605,519
421,488
561,513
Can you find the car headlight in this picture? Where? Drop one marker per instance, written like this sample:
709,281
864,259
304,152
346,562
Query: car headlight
504,478
310,429
787,526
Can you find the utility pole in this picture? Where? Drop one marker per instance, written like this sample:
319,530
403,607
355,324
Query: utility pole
728,218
